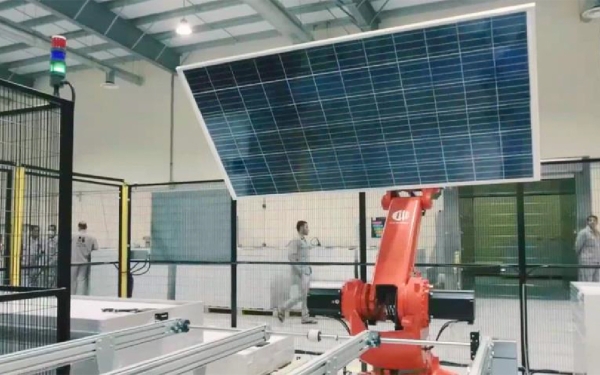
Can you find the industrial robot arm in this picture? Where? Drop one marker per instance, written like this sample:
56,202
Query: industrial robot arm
397,293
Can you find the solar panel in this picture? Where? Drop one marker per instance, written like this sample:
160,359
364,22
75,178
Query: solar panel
446,103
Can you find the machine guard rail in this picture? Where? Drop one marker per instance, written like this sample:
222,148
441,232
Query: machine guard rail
196,356
100,347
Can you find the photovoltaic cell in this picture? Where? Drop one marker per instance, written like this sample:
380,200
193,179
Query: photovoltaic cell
446,105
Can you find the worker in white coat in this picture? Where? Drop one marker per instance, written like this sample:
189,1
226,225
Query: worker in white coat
82,245
587,247
299,252
32,251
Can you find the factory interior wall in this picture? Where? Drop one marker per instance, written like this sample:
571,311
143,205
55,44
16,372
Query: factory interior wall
126,132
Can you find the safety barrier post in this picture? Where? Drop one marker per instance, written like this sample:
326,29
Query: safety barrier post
6,250
522,259
362,221
125,290
18,205
234,236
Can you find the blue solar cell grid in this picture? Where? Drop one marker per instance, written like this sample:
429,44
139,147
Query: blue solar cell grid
443,105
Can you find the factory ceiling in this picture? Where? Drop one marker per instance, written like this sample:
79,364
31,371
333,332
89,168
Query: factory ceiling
111,35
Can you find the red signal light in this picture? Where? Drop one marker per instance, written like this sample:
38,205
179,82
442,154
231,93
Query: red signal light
59,41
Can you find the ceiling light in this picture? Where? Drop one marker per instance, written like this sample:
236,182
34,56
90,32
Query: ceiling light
183,28
591,14
109,82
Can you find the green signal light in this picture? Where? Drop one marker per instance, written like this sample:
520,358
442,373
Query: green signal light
58,67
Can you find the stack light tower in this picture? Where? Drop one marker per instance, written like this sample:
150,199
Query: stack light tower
58,64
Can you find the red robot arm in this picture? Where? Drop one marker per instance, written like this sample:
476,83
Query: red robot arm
396,293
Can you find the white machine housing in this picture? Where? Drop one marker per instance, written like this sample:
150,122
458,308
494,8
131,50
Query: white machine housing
88,318
585,302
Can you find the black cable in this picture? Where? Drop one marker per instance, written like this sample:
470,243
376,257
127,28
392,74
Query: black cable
144,268
344,324
73,94
446,325
453,364
442,329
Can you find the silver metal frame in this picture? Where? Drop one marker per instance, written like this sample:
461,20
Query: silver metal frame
335,359
197,356
100,347
495,357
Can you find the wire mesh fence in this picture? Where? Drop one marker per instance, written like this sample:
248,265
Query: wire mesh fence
35,180
181,249
468,240
26,320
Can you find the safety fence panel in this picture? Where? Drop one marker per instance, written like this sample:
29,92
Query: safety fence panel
181,242
269,224
27,318
262,288
36,151
514,245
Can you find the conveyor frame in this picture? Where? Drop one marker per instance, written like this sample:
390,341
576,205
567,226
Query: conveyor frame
100,347
197,356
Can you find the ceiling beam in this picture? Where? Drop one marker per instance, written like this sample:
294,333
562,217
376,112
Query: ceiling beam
10,4
185,11
245,20
223,24
363,13
261,35
282,20
13,48
16,31
51,18
7,75
112,4
99,20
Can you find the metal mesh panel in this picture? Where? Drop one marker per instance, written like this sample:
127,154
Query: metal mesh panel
98,207
270,223
185,231
26,323
30,214
183,222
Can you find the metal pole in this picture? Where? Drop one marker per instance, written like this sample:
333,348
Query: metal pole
129,275
233,263
172,268
124,241
362,222
65,208
343,337
522,261
7,225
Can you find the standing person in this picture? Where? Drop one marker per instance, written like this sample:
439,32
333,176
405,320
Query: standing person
82,245
45,275
51,256
298,252
587,247
32,250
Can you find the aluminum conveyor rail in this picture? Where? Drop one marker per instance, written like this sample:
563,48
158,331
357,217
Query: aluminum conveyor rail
495,357
336,358
99,347
197,356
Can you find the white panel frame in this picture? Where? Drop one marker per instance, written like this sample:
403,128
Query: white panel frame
529,9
